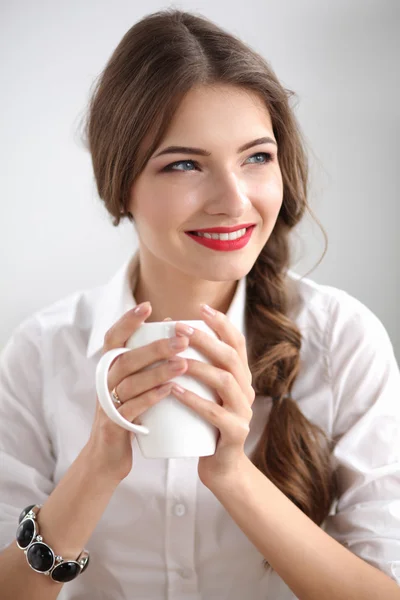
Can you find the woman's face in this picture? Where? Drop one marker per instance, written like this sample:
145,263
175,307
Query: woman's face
225,188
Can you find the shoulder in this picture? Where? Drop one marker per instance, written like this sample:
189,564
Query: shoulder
74,310
332,313
351,342
71,316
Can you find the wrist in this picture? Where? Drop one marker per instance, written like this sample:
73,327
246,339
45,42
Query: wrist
235,477
96,468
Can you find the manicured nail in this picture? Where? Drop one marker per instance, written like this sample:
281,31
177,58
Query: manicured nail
164,389
140,309
182,329
208,310
178,389
176,363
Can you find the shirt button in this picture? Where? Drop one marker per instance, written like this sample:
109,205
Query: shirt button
179,510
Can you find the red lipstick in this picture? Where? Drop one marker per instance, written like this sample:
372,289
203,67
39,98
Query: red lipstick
223,245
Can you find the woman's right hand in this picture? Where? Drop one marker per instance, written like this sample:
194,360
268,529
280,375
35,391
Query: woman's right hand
109,444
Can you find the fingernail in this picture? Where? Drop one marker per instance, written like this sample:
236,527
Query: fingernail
176,364
164,389
182,329
178,389
208,310
140,309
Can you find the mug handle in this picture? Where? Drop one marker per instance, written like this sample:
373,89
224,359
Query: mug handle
104,395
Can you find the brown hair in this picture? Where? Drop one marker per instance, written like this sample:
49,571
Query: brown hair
156,63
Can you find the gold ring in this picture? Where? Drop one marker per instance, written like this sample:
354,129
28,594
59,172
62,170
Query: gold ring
115,399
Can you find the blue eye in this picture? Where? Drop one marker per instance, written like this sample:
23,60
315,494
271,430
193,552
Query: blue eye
179,162
268,158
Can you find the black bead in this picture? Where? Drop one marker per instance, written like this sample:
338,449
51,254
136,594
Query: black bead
25,512
40,557
25,533
85,566
65,572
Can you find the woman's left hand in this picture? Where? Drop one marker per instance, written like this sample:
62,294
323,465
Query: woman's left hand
229,375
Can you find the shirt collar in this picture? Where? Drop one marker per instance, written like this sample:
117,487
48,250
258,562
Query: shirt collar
116,298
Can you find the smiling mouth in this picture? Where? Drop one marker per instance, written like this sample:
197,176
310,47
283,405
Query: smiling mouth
222,241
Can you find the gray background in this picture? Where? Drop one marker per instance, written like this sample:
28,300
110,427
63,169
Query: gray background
340,57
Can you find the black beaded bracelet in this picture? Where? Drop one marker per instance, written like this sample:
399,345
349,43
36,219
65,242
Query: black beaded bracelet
40,556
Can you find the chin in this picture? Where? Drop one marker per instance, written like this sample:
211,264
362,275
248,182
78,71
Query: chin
225,269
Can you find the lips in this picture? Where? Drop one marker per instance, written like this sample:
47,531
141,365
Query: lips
222,245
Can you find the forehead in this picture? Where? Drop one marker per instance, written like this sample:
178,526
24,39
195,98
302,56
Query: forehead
221,108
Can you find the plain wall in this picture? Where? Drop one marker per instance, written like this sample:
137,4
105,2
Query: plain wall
341,59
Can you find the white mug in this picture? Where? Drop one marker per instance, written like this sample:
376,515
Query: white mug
169,429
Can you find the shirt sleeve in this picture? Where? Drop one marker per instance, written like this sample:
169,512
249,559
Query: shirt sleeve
26,457
365,383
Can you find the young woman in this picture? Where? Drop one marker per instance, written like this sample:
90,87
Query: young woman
190,134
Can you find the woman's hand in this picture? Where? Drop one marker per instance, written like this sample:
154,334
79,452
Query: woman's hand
229,375
138,389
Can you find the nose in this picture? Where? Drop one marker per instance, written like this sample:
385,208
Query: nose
228,196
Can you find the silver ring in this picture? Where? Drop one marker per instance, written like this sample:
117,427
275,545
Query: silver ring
115,399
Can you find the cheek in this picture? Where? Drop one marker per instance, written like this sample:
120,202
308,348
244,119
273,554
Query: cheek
270,193
174,200
163,211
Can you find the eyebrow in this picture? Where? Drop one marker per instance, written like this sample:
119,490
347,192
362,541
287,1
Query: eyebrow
201,152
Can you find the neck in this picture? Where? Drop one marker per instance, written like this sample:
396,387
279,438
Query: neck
177,295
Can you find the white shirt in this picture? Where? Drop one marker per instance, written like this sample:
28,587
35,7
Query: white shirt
164,535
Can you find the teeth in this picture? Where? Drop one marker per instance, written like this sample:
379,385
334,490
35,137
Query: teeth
223,236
